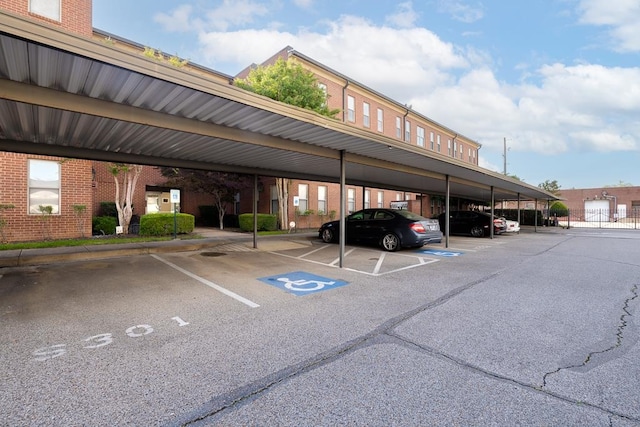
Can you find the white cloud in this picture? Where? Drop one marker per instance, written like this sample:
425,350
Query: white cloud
461,11
303,4
570,108
404,17
229,14
620,16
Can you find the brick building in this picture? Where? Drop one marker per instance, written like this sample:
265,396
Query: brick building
72,182
613,202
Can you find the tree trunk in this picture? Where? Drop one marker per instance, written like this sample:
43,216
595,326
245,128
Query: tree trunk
282,188
125,192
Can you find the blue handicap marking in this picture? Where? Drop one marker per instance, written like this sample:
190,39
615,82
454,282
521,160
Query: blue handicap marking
301,283
439,252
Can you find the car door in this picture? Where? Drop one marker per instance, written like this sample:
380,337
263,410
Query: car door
356,225
377,225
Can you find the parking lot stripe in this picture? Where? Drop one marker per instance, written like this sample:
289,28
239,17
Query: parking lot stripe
337,260
379,263
313,251
208,283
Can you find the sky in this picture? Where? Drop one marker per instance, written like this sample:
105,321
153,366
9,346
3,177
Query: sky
558,80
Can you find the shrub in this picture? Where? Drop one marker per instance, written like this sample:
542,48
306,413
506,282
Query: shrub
558,209
108,209
266,222
209,217
103,225
162,224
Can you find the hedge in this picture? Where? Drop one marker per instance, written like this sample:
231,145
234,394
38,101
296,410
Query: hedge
162,224
266,222
104,225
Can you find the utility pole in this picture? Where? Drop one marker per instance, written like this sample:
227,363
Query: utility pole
505,156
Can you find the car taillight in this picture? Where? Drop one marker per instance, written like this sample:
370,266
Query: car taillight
417,227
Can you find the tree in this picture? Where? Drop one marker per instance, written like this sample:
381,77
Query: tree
620,184
125,190
288,82
550,186
221,185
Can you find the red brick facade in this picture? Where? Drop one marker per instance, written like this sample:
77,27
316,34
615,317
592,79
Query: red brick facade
629,197
75,15
75,189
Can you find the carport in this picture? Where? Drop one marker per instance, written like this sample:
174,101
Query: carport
66,95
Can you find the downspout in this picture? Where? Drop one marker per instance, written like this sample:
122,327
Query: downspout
344,102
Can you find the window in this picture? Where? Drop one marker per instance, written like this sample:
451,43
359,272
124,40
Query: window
420,136
398,196
448,146
380,120
455,148
431,140
461,152
322,200
381,199
324,89
469,154
303,190
366,118
44,186
236,204
351,200
367,199
438,142
407,131
351,108
47,8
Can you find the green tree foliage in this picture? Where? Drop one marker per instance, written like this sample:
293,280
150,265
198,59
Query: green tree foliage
551,186
558,209
288,82
221,185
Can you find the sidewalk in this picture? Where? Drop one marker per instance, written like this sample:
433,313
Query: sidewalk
210,238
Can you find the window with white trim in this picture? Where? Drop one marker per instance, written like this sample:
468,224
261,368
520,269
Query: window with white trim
420,136
303,191
461,151
274,200
48,8
367,199
380,120
448,146
322,200
381,199
438,142
407,131
455,148
431,140
366,118
323,87
351,200
44,186
398,127
351,108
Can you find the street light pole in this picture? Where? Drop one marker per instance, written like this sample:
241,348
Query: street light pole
505,156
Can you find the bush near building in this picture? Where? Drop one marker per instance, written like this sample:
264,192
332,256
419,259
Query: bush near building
266,222
162,224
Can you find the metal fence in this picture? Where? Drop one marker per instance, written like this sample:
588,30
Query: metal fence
596,218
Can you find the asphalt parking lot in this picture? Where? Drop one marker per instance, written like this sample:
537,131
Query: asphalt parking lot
529,329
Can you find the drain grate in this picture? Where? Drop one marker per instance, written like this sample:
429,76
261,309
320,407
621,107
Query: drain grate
212,254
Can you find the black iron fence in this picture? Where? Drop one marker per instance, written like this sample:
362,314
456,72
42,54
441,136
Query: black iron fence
594,218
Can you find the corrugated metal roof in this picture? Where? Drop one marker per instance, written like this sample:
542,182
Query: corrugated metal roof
67,95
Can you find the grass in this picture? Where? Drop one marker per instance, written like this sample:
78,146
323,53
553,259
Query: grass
91,241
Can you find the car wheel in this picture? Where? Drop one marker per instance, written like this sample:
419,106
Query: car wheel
390,242
327,235
477,231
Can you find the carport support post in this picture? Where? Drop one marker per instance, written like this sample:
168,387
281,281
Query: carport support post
342,207
519,209
493,202
535,216
447,200
255,211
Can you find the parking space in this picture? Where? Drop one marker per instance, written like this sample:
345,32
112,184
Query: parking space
171,340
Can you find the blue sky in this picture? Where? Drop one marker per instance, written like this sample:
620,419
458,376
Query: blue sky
559,79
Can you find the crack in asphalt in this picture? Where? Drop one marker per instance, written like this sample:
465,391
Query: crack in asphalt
246,394
619,337
241,396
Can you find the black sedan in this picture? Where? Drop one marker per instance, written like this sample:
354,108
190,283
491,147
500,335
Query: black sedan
391,229
475,223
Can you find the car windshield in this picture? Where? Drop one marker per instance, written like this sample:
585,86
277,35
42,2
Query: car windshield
410,215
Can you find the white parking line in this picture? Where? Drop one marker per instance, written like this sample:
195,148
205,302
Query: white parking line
208,283
313,251
337,260
379,263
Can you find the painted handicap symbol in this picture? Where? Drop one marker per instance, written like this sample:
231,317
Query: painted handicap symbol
302,283
441,253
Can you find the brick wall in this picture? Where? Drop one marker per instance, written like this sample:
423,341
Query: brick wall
75,189
75,15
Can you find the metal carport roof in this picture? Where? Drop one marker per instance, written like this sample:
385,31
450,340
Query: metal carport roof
66,95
